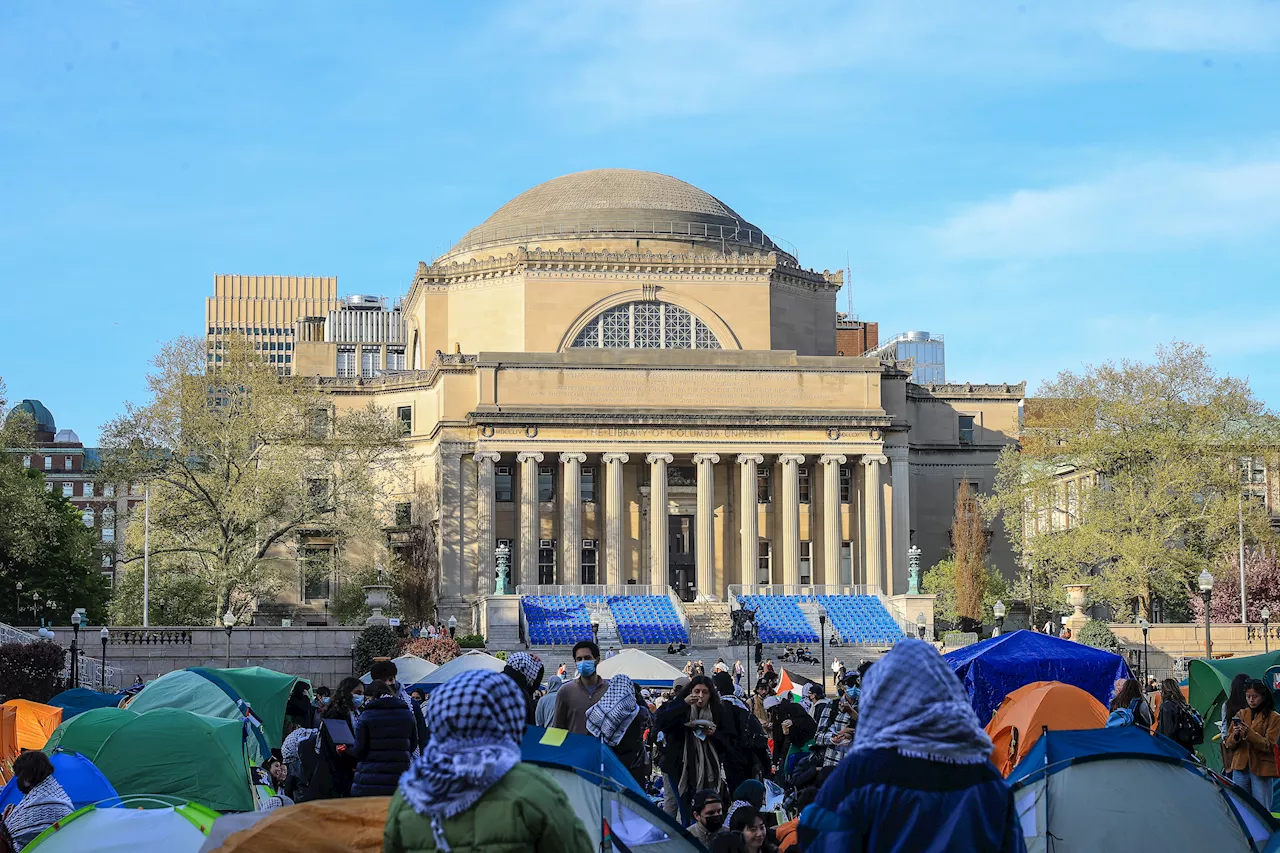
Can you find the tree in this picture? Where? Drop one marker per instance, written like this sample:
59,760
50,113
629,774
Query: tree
1127,477
44,544
1261,577
969,540
417,566
244,466
1098,634
940,580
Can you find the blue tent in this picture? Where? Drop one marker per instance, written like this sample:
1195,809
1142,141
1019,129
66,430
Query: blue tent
78,776
604,794
995,668
77,700
1115,742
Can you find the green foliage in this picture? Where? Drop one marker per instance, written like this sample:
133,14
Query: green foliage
31,670
500,655
940,580
1095,633
375,641
176,598
471,641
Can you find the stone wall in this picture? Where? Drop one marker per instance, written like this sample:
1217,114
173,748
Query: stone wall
1170,645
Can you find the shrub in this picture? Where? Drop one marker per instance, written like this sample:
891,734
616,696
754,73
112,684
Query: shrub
375,641
500,655
439,651
471,641
31,670
1095,633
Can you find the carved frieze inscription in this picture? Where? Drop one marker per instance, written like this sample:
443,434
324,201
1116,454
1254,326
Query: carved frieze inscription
680,388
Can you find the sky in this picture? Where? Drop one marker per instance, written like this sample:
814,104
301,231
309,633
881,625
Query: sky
1047,185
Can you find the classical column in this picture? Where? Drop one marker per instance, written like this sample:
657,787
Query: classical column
831,535
705,529
790,518
900,496
658,556
571,517
528,573
874,532
484,520
613,463
749,509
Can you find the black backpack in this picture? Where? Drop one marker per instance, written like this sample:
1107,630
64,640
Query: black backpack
1190,726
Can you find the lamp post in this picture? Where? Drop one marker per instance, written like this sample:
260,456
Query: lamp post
1206,593
1144,625
1266,618
999,610
749,622
228,623
453,626
921,624
822,636
595,629
35,608
104,635
17,603
75,645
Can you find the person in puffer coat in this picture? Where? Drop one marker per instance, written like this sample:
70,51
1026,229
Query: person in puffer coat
386,737
469,792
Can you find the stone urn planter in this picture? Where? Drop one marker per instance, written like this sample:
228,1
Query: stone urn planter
377,596
1077,597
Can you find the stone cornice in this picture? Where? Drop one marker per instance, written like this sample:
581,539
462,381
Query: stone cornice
630,417
967,391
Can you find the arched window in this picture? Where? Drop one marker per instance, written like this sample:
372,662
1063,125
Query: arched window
646,325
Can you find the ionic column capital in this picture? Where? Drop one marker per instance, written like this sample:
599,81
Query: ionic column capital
528,456
746,458
609,458
875,460
655,458
897,452
573,457
791,459
700,458
833,459
487,456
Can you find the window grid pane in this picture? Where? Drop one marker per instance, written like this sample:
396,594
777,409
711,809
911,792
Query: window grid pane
646,325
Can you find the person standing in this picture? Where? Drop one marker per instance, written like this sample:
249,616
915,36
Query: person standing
1175,719
386,737
691,724
1129,697
577,697
739,672
837,724
1250,741
747,755
546,710
617,721
526,671
469,790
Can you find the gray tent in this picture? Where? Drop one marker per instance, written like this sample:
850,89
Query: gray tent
1124,789
473,659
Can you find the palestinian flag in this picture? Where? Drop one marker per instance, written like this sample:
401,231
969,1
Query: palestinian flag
790,690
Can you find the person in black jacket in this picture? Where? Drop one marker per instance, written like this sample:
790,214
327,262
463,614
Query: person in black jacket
386,737
693,724
793,728
526,671
617,720
748,753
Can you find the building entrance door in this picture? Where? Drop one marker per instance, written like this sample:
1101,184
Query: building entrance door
680,559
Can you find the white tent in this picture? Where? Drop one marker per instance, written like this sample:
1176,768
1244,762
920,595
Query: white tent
473,659
410,670
641,667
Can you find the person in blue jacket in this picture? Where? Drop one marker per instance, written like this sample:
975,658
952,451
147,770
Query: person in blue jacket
386,738
919,778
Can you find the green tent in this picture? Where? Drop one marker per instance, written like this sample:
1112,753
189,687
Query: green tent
1207,686
207,760
224,693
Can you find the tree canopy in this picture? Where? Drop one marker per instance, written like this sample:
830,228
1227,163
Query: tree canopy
1128,475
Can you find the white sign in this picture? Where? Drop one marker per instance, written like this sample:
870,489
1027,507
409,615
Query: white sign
395,622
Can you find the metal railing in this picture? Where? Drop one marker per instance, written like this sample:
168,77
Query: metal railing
145,637
590,589
477,238
88,670
803,590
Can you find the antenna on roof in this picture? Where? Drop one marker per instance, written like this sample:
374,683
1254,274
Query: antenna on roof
848,283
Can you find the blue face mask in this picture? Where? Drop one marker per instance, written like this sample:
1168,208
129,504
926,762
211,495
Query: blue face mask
586,668
357,700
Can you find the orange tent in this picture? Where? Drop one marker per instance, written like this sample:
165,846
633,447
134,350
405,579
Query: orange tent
1024,713
36,722
8,741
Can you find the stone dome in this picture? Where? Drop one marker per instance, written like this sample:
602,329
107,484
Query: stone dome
624,203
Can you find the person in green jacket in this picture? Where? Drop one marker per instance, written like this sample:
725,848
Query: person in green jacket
469,792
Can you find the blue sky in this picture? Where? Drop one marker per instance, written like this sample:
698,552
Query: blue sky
1047,185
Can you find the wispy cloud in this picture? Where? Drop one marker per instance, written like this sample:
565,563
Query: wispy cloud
1148,207
1192,26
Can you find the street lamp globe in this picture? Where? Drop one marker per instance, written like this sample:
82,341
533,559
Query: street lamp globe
999,609
1206,581
104,635
1144,625
1266,614
75,620
921,623
228,619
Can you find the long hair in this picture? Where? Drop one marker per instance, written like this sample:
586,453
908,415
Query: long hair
1126,694
1235,697
1268,699
1171,692
705,681
342,704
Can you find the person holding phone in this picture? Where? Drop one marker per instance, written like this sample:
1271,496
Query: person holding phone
1250,740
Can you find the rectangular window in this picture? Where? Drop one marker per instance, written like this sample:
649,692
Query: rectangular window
106,561
764,562
109,491
589,561
395,358
966,429
346,362
26,462
68,489
370,362
88,489
48,486
547,563
803,479
319,427
587,491
404,514
764,485
87,517
318,489
846,485
108,533
502,484
316,565
806,561
405,416
48,463
66,463
546,483
846,562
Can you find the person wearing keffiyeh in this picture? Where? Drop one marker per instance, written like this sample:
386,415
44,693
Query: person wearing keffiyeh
469,791
526,671
918,750
616,720
43,802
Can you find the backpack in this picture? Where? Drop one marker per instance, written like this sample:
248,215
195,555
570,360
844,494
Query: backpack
1124,716
1190,726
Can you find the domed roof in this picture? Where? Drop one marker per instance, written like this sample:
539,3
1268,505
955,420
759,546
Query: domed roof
604,202
42,416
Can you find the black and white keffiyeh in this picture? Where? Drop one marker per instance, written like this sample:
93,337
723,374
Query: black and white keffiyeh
476,719
40,808
610,718
911,701
530,666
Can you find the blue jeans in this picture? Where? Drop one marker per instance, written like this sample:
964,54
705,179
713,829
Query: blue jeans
1259,786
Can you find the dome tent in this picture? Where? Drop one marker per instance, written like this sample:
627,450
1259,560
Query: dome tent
411,671
1207,685
83,782
994,668
77,700
36,722
474,659
124,828
224,693
1026,712
1124,789
641,667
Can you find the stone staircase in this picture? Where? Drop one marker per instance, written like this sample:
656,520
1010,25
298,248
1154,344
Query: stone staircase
709,622
607,635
